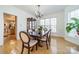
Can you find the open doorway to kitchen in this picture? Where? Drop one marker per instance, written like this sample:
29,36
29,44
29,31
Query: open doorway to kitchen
10,27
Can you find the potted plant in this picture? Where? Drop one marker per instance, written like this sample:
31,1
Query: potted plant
45,29
73,25
40,29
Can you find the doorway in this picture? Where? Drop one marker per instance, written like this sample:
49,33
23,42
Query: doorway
10,31
10,27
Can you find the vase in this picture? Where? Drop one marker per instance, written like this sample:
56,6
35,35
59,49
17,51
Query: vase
78,32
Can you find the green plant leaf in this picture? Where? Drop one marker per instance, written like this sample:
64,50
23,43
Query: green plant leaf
72,25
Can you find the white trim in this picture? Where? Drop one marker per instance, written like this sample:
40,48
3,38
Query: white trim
72,40
57,35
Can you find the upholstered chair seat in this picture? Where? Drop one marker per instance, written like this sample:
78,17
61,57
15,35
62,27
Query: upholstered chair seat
31,43
43,39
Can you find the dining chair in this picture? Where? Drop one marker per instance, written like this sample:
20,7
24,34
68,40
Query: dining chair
49,37
46,38
27,41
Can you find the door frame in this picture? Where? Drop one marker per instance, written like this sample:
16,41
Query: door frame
15,23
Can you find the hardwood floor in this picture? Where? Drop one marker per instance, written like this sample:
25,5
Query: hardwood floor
61,46
58,46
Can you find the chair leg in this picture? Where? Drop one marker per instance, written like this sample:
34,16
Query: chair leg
36,47
49,42
32,48
29,50
22,49
46,44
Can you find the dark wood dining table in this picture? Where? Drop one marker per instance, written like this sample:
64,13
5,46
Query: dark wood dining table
37,36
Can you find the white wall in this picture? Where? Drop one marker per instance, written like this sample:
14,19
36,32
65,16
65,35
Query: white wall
68,38
21,20
60,22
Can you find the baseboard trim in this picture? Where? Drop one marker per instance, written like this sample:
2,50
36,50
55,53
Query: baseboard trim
57,35
1,46
71,40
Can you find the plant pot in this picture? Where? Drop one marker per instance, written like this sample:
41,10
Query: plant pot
77,32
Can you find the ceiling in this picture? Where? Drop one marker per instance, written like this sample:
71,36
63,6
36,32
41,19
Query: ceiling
45,9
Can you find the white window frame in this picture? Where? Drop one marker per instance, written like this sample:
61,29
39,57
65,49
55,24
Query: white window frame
50,24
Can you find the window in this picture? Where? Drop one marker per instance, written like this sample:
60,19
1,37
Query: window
49,24
74,13
53,24
42,23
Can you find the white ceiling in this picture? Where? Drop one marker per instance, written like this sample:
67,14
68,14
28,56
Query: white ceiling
45,9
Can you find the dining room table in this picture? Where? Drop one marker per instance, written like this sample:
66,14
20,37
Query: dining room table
37,36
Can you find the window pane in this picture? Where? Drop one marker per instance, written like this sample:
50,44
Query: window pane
47,21
41,22
53,21
53,24
53,28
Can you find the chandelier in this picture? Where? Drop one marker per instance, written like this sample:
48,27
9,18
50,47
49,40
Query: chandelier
38,12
